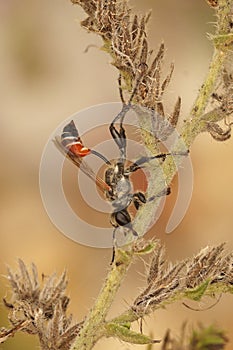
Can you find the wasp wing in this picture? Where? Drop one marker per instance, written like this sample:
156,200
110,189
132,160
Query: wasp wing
81,164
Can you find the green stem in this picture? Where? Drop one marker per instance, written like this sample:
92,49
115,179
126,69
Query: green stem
93,327
208,86
191,128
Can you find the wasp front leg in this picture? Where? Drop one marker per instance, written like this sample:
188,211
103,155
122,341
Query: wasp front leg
144,160
138,199
139,164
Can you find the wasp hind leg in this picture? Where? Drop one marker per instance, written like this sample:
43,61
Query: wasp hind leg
119,136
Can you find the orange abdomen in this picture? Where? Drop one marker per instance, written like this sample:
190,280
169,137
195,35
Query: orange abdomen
79,150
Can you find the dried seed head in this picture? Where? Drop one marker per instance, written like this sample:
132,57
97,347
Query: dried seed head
41,309
163,281
206,265
7,333
125,38
210,268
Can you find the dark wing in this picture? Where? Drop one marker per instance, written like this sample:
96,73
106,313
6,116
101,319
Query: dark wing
80,163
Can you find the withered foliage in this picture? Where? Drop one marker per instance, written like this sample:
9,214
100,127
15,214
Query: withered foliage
41,309
190,278
163,281
125,38
7,333
210,264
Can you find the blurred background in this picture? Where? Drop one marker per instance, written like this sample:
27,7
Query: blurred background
45,77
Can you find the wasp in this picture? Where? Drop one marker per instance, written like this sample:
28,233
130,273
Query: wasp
116,184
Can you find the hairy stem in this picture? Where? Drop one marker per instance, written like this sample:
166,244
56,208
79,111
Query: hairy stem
195,124
207,87
93,327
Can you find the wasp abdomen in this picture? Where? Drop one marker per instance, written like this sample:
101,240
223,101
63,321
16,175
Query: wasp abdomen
71,141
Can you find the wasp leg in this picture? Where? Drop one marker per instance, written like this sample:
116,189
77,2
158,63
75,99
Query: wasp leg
132,93
120,90
163,193
139,199
119,136
113,247
143,160
135,88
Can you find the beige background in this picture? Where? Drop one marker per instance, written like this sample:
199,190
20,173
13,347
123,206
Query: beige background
44,78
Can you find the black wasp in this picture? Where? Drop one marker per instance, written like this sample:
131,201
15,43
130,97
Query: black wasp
116,184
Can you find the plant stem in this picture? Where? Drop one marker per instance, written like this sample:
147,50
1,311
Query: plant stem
208,85
195,124
192,128
93,326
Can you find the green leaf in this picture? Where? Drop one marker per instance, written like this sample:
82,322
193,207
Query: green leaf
223,42
208,338
147,249
198,292
125,334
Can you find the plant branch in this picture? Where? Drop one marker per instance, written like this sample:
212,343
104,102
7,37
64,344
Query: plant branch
125,40
197,122
93,327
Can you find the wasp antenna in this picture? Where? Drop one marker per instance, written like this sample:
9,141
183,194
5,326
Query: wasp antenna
101,156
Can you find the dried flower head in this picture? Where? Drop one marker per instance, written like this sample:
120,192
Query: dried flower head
207,273
7,333
125,39
206,265
163,281
41,309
